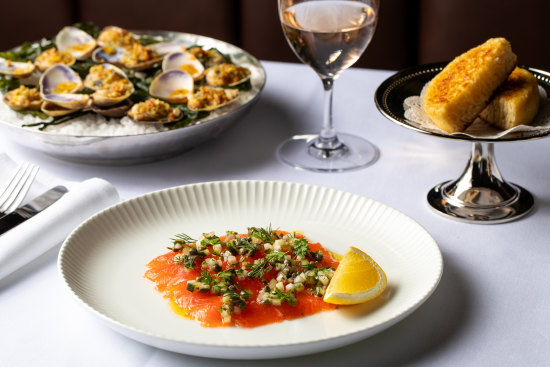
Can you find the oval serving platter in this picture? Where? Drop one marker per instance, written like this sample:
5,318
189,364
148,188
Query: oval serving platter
129,149
102,264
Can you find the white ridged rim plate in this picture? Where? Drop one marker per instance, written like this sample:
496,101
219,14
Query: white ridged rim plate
103,261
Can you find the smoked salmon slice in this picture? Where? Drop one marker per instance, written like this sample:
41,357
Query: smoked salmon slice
242,279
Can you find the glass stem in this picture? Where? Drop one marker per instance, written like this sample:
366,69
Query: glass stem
327,139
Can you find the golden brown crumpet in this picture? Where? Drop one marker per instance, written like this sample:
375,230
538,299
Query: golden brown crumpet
516,101
458,94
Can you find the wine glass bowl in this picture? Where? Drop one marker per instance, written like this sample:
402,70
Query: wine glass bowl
329,36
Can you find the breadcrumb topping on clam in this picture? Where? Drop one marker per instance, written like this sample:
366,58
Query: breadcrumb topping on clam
115,36
51,57
226,74
209,98
115,89
154,110
137,54
99,76
23,98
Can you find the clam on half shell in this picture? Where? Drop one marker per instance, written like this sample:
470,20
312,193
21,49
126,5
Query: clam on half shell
185,61
114,36
102,74
210,98
16,69
154,111
23,98
125,57
51,57
58,85
228,75
113,93
173,86
76,42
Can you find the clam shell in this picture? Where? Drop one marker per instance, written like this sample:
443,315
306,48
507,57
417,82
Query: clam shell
173,86
185,61
58,76
118,110
76,42
70,101
51,109
16,69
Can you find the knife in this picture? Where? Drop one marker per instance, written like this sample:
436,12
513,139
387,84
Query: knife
30,209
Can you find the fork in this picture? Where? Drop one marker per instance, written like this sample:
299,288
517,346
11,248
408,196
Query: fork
13,192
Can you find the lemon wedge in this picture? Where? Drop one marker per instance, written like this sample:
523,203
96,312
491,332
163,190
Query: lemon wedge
357,279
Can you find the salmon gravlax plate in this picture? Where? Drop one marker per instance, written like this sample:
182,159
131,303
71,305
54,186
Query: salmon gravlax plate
111,262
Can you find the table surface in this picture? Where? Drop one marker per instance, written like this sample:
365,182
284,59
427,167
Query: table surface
490,308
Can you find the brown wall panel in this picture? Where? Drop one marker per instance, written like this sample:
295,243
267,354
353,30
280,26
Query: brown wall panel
41,19
448,28
213,18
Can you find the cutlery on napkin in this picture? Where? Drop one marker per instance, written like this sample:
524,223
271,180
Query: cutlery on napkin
49,228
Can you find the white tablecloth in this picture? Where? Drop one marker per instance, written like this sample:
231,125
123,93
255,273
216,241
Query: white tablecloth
490,308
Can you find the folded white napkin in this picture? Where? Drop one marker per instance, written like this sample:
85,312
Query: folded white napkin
49,228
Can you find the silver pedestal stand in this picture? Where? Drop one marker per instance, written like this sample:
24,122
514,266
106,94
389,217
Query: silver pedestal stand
480,194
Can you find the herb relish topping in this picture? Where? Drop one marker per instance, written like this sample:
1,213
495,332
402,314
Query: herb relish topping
282,261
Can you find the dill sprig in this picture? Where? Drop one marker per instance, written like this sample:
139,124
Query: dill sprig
275,257
183,238
264,234
287,297
259,269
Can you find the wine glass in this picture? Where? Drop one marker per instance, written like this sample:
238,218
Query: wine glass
329,36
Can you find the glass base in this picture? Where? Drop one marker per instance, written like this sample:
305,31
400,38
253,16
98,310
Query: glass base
353,153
